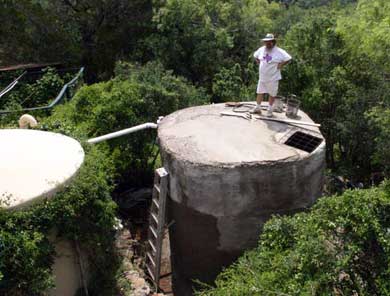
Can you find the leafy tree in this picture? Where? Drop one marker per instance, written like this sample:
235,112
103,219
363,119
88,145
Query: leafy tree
366,33
30,33
227,84
94,33
366,38
313,3
198,38
379,118
335,89
106,30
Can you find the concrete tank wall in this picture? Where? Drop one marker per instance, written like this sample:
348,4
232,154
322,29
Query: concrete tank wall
66,268
219,206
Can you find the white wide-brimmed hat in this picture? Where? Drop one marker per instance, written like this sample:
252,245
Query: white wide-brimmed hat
268,37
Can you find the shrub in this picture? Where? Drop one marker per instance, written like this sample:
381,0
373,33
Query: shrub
137,95
82,211
227,85
340,247
379,119
37,93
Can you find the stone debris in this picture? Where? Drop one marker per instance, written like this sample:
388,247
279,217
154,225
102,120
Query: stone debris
133,272
139,285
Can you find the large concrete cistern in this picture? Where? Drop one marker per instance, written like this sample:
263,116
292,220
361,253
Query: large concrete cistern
228,175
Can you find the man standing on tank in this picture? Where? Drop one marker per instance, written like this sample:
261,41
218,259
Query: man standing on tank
271,60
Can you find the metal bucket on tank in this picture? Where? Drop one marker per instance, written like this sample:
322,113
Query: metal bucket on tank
278,104
292,106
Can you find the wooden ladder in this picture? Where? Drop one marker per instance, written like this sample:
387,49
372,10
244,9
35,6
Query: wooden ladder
156,225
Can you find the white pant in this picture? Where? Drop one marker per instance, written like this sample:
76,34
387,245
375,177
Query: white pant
269,87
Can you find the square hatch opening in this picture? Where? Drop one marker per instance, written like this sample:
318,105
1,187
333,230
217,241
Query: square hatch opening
303,141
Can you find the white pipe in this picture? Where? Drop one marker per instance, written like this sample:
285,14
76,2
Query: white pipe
8,88
11,85
122,132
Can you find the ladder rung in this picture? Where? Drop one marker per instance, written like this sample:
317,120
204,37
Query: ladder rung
150,273
157,222
161,172
157,178
156,203
151,244
153,231
154,217
151,258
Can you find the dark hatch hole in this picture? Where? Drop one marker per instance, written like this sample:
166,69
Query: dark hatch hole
303,141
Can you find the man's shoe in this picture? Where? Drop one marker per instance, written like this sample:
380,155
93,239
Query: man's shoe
257,110
269,112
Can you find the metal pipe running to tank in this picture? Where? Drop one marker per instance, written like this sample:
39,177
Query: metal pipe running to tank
123,132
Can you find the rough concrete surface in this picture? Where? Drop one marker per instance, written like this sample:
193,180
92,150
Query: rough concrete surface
66,269
228,176
201,135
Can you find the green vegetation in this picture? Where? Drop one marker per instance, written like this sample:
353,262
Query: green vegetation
83,211
339,86
340,247
198,38
32,90
146,59
135,96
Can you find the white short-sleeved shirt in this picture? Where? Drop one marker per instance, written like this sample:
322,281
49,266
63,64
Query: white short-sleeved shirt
269,60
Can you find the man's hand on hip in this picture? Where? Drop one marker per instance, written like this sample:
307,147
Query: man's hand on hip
282,64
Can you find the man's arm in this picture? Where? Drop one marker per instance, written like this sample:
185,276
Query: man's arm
282,64
286,58
256,55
